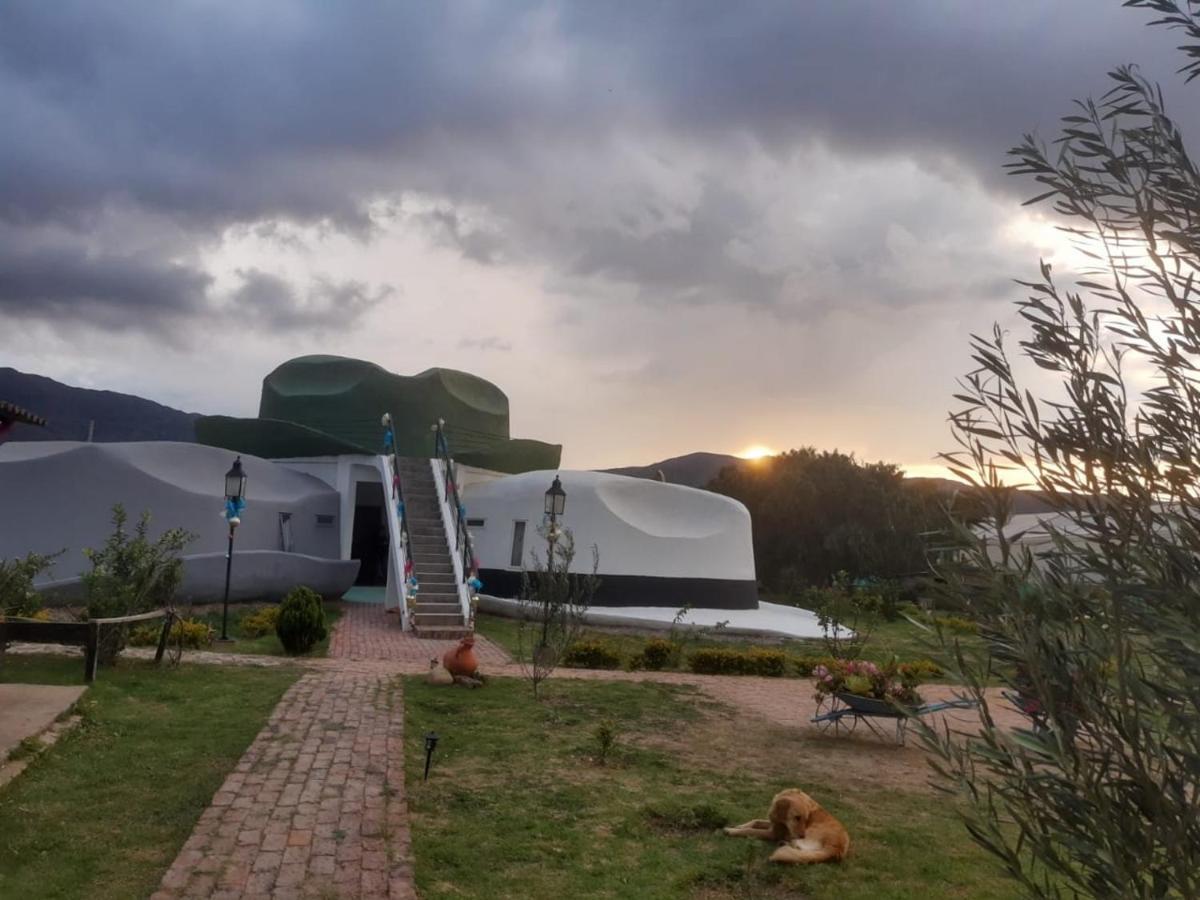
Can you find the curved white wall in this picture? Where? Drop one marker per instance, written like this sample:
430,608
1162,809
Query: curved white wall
645,530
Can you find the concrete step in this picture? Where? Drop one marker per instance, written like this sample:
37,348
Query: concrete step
434,633
436,596
440,620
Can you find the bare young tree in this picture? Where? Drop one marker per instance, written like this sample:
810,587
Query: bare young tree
1095,632
553,602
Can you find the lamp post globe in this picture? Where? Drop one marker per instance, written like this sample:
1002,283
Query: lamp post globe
235,494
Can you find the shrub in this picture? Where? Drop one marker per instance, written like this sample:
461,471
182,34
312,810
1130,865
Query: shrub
592,655
605,734
755,661
804,665
131,574
301,620
260,623
191,633
956,624
657,654
17,596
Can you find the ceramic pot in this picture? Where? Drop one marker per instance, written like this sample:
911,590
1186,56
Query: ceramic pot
462,660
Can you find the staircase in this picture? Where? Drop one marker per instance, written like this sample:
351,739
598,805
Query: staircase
438,611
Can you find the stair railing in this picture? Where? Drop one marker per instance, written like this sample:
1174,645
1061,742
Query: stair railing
402,566
454,515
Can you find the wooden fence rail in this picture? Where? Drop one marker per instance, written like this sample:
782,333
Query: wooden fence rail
80,634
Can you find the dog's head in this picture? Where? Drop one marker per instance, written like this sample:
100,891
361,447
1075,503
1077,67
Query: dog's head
791,811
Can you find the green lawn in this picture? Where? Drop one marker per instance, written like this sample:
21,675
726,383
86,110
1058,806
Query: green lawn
900,638
517,805
268,644
103,813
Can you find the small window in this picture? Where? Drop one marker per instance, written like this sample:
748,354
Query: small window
324,521
475,523
285,532
518,547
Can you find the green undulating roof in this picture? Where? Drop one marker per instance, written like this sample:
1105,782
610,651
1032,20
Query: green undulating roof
328,405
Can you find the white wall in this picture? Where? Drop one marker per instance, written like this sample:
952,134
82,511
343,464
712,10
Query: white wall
640,527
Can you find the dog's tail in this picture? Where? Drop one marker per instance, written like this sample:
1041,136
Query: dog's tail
798,856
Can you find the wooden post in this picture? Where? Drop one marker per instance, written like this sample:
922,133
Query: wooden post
91,652
168,619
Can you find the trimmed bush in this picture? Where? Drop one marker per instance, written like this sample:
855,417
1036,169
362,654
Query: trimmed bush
301,622
804,665
260,623
196,635
755,661
592,655
658,654
956,624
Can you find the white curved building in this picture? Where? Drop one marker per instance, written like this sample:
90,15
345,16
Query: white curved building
58,497
660,545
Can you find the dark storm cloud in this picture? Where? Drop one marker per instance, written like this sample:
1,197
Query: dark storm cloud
225,115
327,304
68,283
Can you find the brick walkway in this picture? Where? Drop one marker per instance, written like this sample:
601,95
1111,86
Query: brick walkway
365,631
315,807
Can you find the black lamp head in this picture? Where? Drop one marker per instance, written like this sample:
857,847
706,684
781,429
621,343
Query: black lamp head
556,498
431,740
235,481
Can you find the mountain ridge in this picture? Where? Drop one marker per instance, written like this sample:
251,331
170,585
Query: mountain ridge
71,411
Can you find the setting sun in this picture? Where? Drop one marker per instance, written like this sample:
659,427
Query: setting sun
758,451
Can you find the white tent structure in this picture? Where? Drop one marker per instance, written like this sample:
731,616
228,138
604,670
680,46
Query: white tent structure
659,545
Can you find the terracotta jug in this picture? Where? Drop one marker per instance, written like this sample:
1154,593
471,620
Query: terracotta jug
462,660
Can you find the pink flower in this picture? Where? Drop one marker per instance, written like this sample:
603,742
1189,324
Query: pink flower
820,671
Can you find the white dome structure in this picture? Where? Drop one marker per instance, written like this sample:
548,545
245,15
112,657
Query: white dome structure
659,545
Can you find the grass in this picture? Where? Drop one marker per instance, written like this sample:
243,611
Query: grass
267,644
901,639
104,812
518,804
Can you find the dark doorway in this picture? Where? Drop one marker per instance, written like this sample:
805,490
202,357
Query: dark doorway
369,542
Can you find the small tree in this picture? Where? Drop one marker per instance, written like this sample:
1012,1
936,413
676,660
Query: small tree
553,603
1096,631
17,594
847,614
131,574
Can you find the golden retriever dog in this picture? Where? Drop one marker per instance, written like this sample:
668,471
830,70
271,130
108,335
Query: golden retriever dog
806,833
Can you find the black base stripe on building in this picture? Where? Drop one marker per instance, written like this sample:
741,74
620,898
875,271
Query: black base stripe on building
645,590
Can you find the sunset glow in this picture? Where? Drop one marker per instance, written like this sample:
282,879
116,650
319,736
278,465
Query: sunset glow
757,451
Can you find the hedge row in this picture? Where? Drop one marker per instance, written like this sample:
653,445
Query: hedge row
660,654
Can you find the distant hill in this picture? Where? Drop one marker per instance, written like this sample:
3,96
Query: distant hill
68,411
692,470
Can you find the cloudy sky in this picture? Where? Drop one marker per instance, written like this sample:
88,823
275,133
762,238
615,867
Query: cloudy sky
658,226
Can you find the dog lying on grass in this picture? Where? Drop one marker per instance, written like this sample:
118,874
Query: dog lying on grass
805,832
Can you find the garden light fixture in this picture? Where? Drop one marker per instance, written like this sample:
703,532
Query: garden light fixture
431,740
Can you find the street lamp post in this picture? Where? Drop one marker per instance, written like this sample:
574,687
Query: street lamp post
235,502
556,502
